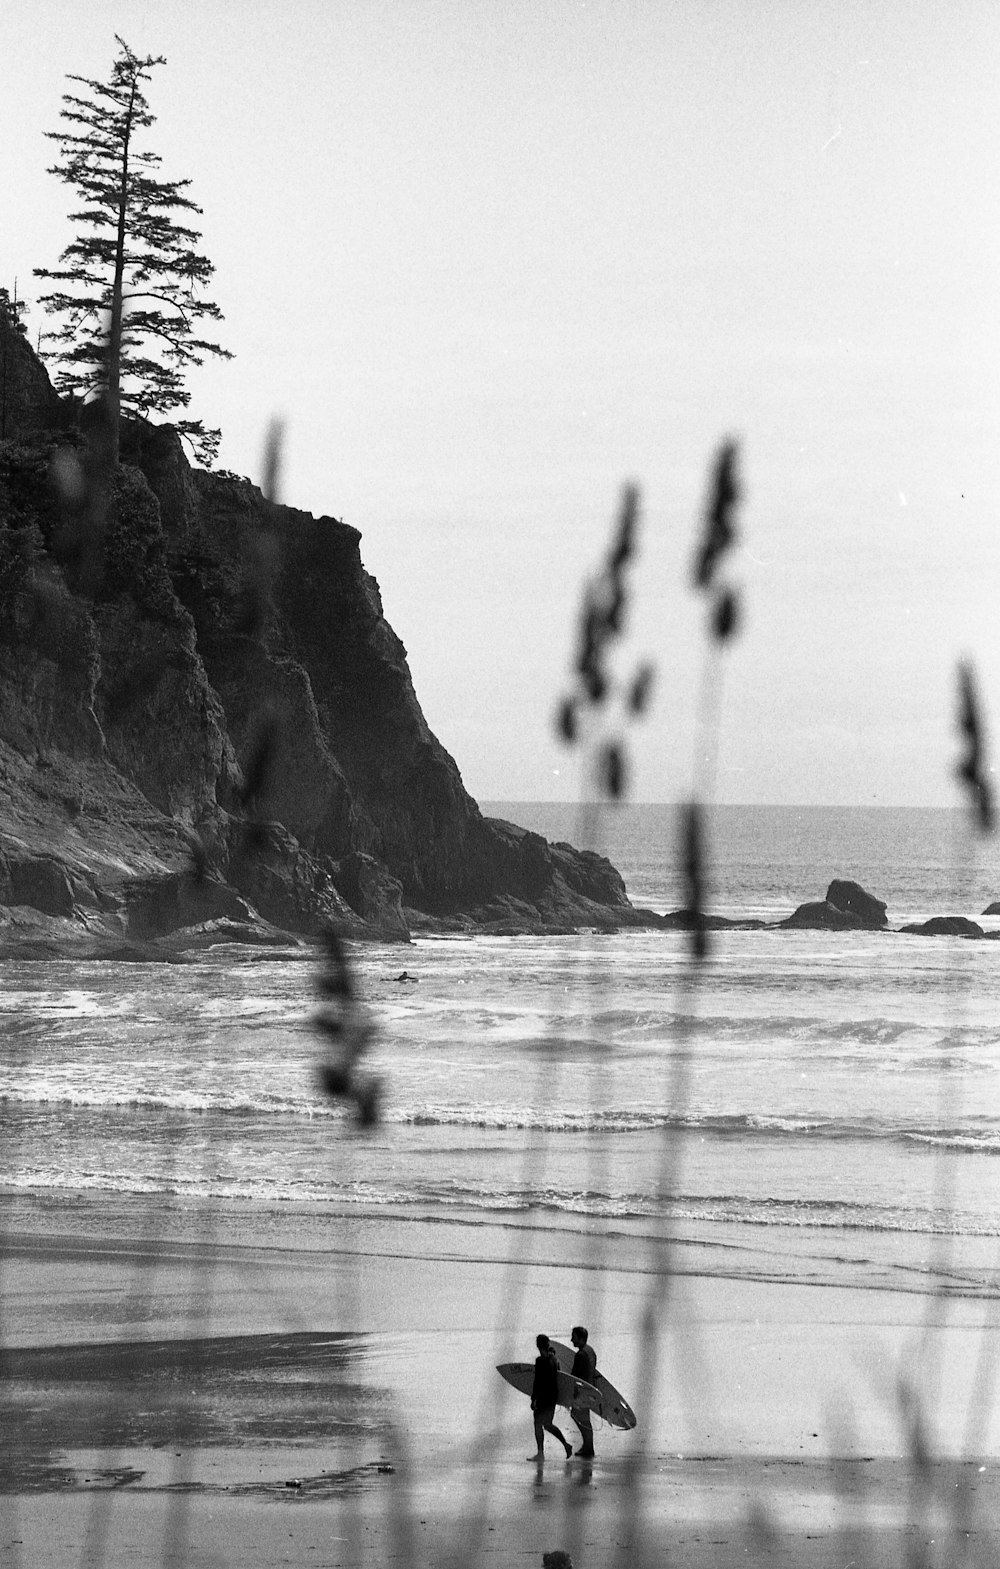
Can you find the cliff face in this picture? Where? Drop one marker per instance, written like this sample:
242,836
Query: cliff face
204,715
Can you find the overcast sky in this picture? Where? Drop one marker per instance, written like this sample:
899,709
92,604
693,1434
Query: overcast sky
491,258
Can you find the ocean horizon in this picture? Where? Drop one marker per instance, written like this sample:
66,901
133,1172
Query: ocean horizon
763,861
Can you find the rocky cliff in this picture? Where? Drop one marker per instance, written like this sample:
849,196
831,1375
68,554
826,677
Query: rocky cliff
206,718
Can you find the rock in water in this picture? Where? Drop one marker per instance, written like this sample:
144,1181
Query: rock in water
945,926
854,900
821,915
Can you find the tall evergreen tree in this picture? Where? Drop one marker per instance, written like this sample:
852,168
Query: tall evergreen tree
11,312
130,280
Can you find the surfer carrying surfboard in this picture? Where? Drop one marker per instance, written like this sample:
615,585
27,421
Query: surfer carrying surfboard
545,1396
585,1367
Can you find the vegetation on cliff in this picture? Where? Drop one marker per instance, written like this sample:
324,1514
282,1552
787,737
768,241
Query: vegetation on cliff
128,290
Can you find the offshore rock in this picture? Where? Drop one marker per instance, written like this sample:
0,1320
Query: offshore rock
853,900
821,915
686,921
945,926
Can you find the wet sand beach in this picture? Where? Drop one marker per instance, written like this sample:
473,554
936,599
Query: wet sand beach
175,1400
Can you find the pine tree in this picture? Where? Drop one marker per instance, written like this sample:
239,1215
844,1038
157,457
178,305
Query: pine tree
130,280
12,310
11,313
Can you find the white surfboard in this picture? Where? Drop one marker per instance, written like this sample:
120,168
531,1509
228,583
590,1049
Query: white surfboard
613,1407
572,1391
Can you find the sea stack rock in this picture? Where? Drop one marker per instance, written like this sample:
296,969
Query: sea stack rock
854,900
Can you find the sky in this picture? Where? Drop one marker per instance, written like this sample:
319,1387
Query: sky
489,260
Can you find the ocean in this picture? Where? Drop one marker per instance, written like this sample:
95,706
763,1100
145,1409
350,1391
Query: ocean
819,1101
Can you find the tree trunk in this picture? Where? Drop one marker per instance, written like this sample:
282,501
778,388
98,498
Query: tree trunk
117,293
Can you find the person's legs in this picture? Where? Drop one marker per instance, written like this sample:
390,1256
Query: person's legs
581,1416
539,1436
550,1427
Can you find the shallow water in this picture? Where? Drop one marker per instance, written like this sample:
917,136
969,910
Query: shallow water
803,1083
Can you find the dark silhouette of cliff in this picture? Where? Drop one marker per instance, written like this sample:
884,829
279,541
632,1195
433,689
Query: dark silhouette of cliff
206,718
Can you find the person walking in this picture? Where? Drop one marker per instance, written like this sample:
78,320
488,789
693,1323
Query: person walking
544,1396
584,1366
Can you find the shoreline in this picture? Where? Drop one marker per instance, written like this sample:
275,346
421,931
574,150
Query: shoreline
31,936
898,1264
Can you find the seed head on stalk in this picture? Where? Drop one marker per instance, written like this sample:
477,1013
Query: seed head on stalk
719,536
602,621
972,770
347,1031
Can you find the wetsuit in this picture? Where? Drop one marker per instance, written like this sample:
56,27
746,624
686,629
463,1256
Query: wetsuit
584,1366
544,1395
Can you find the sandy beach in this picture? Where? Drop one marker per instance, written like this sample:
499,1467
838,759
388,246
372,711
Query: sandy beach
262,1399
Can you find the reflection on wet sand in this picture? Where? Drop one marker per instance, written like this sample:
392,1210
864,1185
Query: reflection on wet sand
65,1403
